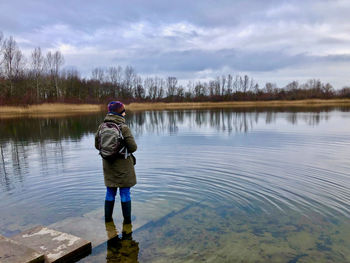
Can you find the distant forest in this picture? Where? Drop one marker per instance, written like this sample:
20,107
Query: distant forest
42,78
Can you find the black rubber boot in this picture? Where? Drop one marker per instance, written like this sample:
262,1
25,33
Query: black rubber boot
126,209
109,205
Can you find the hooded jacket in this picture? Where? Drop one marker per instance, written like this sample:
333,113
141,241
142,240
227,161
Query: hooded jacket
121,172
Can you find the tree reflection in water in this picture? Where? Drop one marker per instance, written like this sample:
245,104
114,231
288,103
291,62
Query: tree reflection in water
223,120
46,160
23,137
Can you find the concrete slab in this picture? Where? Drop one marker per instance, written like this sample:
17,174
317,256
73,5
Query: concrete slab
57,246
92,226
14,252
127,250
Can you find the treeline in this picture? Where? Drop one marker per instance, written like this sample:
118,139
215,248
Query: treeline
42,78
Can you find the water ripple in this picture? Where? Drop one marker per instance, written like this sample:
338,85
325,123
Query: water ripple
245,175
280,164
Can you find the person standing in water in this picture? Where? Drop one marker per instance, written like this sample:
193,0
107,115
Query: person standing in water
118,171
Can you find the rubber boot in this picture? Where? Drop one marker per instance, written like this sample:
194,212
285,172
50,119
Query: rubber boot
109,205
126,209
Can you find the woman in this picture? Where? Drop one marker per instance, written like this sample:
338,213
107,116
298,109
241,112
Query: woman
119,172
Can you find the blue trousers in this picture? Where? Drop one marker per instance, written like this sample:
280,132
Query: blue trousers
124,193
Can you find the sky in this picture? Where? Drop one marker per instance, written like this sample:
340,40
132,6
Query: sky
270,40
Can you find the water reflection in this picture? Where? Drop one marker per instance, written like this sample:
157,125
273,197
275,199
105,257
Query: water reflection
74,128
223,120
248,167
21,138
43,129
121,249
44,137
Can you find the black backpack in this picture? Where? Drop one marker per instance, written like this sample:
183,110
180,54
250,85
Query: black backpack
111,141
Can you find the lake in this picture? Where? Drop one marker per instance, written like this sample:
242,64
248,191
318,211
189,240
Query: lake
243,185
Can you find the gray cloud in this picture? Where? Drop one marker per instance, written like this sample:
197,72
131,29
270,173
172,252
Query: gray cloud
198,60
188,38
90,15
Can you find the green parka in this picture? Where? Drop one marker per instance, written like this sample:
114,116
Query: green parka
121,172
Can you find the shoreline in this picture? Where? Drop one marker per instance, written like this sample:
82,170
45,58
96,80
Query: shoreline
62,109
238,104
48,110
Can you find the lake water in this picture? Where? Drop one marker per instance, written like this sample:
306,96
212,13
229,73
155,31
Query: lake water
259,185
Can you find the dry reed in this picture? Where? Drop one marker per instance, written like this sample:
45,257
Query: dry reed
50,107
47,109
61,109
237,104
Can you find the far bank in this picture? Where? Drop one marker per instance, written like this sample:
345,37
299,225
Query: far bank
238,104
62,109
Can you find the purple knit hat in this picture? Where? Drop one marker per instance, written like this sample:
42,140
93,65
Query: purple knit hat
116,107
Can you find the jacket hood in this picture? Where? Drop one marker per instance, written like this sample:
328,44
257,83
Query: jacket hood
114,118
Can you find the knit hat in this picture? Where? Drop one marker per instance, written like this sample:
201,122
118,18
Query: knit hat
116,107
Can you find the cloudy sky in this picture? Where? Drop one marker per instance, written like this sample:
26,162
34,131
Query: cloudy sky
270,40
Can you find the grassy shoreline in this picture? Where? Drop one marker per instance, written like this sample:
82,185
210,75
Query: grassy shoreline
48,109
238,104
57,109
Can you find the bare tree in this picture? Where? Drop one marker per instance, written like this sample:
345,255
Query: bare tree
19,64
160,83
229,84
1,48
223,84
245,84
13,61
58,61
328,90
150,88
158,88
292,86
171,86
180,92
98,74
115,77
200,89
256,88
72,83
236,84
139,91
48,63
49,68
215,85
129,75
37,68
270,88
212,88
53,63
344,92
190,86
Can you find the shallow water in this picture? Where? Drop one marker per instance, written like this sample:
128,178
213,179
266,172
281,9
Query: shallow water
254,186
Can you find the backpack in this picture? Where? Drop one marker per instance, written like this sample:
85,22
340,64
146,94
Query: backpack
111,141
